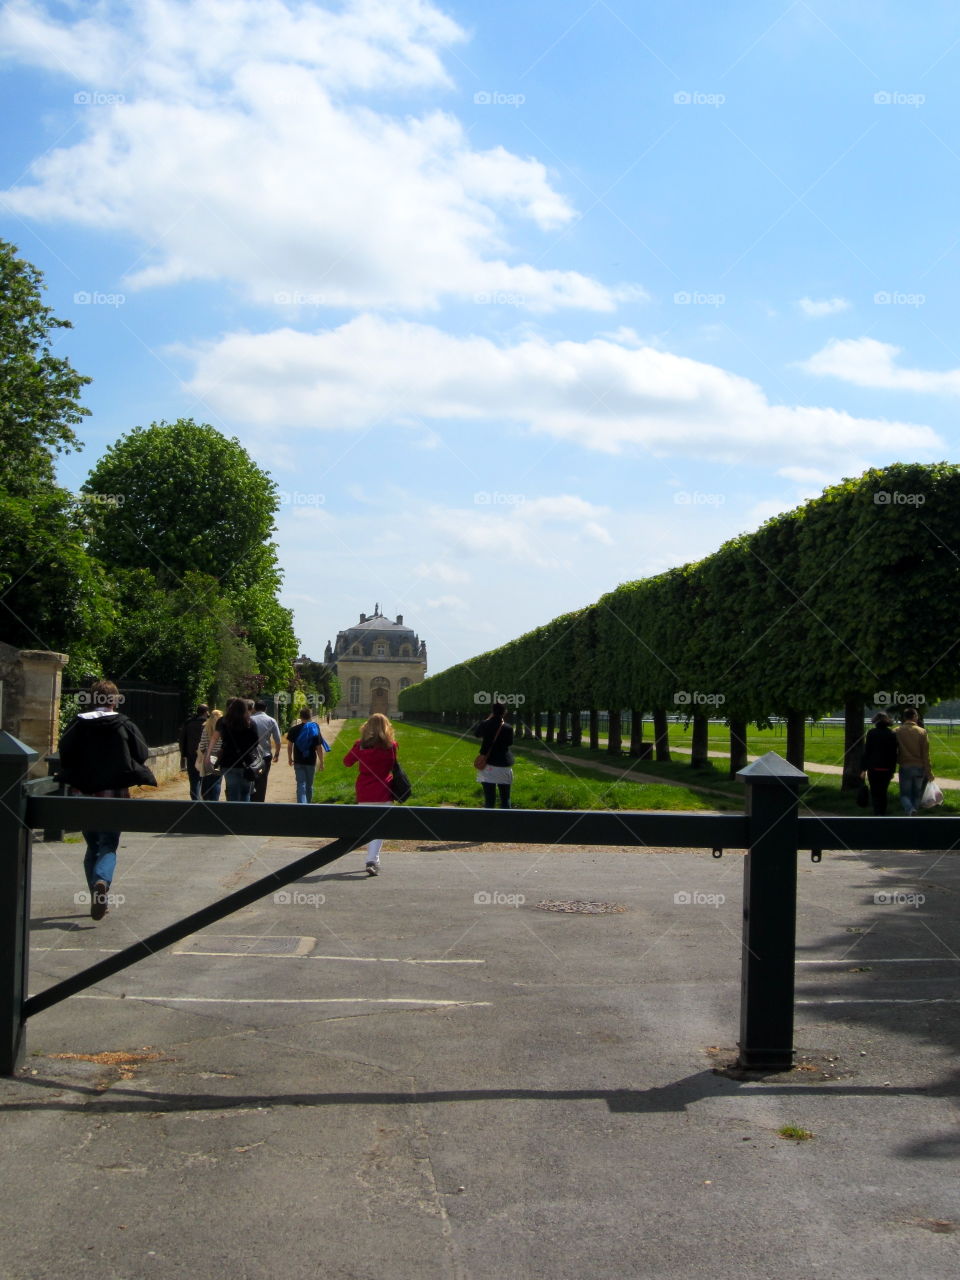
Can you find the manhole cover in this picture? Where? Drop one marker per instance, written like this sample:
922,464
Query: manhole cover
579,907
211,944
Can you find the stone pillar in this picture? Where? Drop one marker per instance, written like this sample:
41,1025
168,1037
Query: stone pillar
38,713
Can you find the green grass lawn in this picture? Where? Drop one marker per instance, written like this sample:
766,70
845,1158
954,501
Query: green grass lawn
823,794
697,792
440,768
824,744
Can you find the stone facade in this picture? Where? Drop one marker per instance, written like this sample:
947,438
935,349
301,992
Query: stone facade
373,661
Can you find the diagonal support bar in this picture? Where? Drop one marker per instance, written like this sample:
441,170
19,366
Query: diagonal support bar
189,924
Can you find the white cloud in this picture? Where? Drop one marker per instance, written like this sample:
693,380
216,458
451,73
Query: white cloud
239,153
546,532
598,394
808,475
438,571
446,602
190,46
868,363
825,307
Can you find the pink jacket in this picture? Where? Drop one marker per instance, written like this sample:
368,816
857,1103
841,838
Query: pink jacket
376,770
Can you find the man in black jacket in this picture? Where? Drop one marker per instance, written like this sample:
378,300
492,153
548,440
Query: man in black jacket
102,754
879,760
190,732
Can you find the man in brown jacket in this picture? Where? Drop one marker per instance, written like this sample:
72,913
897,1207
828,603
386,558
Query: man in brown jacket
913,749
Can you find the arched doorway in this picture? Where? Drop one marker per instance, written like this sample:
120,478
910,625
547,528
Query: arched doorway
379,696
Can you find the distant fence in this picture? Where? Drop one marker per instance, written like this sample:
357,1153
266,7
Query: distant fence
157,710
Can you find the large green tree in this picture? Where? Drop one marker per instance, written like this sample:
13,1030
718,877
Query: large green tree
184,504
53,595
39,392
179,496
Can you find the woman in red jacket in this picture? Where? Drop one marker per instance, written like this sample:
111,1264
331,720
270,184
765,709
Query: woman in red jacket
375,751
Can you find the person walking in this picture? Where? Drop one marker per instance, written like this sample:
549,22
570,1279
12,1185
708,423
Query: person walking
210,778
269,732
879,760
236,743
913,749
103,753
496,739
190,732
305,748
375,751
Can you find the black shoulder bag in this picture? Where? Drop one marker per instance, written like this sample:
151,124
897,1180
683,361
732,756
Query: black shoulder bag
400,788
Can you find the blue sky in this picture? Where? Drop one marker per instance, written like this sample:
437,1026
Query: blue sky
515,302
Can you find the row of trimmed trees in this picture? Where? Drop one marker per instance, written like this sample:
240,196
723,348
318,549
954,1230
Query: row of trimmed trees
851,600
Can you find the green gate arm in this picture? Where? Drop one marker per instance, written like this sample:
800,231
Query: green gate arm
393,822
937,832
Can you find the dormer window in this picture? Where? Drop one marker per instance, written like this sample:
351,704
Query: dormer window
381,649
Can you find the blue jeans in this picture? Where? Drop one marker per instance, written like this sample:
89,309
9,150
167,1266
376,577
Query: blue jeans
210,787
304,774
911,786
238,788
193,774
100,859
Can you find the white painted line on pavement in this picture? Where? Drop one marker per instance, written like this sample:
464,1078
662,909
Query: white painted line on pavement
395,960
473,1004
895,960
881,1000
248,955
109,951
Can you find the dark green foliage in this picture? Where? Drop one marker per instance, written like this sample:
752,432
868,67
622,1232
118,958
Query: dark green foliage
180,506
180,496
853,594
53,595
174,636
39,392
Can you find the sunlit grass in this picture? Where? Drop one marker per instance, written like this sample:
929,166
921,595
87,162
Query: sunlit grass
441,770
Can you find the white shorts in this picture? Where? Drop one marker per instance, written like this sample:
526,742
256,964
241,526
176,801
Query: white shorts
502,775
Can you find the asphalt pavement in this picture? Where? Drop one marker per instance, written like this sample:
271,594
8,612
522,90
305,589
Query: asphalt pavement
453,1072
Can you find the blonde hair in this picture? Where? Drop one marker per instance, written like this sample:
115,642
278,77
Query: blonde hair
377,732
211,722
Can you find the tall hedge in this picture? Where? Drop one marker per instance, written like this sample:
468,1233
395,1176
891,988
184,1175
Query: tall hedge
853,595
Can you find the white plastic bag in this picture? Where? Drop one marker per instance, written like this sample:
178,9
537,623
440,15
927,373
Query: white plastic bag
932,796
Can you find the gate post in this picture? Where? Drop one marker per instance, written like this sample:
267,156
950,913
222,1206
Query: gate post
769,914
15,838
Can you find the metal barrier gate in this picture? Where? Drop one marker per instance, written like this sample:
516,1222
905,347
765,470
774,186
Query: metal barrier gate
771,830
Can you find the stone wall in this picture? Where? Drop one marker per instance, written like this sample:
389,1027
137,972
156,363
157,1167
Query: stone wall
164,762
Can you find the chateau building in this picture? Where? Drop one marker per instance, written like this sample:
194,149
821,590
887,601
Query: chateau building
374,660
